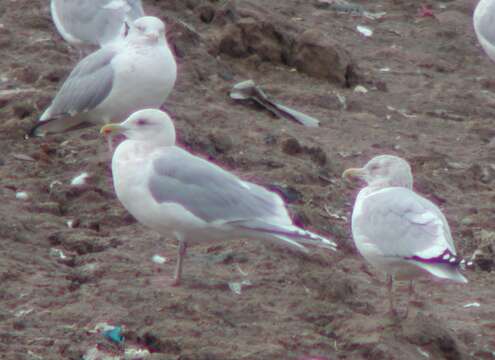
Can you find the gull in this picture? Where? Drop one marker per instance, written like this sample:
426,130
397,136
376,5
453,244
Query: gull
176,193
483,19
115,81
95,22
398,231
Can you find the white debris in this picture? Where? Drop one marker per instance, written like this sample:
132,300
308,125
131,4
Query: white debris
80,179
95,354
23,312
57,253
424,353
236,287
55,183
374,16
157,259
70,224
473,304
243,273
342,100
385,69
360,89
366,31
21,195
135,354
101,327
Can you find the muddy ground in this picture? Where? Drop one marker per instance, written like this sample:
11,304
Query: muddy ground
430,98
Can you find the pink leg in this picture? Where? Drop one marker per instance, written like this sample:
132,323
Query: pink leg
390,288
411,293
178,269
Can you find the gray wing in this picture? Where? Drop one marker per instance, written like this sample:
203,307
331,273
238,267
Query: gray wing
95,22
485,19
208,191
136,10
87,86
402,223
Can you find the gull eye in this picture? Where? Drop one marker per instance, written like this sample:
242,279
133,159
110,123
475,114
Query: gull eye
142,122
140,28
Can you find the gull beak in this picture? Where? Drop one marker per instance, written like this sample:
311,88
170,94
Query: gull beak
354,173
112,129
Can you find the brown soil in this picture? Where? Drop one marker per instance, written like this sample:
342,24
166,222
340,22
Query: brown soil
434,106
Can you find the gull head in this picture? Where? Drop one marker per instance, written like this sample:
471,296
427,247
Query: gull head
151,126
383,171
147,29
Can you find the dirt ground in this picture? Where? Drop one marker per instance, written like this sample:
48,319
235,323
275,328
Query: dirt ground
430,99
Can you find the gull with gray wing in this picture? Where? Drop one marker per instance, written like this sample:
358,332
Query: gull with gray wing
82,22
173,192
399,231
115,81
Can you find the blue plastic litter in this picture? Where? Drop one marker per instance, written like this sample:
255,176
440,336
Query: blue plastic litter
114,335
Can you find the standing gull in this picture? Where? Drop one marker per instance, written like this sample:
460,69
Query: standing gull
95,22
399,231
113,82
483,21
173,192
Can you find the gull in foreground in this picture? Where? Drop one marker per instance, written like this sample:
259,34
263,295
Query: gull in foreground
113,82
399,231
95,22
483,19
175,193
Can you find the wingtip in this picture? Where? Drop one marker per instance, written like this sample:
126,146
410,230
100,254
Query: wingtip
34,131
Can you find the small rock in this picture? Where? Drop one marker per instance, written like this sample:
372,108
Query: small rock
467,221
23,110
154,344
292,146
222,142
484,255
26,75
48,207
288,193
317,155
318,56
206,12
249,36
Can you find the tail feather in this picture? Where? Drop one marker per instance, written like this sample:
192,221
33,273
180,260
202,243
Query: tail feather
54,125
289,233
445,266
443,271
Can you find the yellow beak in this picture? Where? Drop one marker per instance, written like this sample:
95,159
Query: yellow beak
111,129
353,173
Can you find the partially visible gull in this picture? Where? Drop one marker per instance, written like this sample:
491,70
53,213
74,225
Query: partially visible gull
113,82
175,193
95,22
399,231
483,20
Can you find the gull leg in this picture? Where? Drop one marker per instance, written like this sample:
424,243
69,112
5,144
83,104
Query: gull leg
410,294
110,144
390,288
178,269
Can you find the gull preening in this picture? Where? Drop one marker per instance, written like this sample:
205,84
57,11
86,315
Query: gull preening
398,231
483,20
176,193
115,81
83,22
